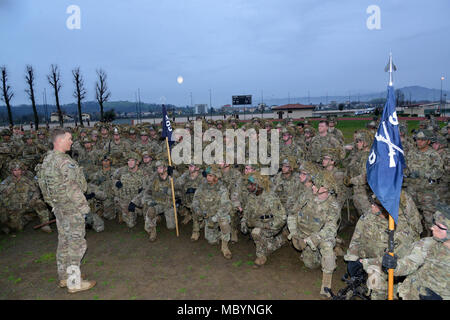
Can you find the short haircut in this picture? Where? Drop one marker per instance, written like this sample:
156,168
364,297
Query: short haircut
324,121
58,132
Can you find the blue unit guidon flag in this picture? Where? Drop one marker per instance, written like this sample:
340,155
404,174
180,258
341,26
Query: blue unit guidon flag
386,160
166,127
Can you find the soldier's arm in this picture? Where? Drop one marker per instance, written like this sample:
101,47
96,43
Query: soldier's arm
279,214
437,167
415,259
71,186
352,253
225,203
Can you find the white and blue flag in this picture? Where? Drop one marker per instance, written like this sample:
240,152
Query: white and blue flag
386,161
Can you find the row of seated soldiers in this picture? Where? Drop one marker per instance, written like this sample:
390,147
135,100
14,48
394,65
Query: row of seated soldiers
301,204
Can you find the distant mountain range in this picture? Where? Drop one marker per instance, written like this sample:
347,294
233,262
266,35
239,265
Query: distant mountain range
415,93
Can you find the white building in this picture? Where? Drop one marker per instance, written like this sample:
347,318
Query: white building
201,108
294,111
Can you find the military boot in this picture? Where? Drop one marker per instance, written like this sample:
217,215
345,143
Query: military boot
84,285
326,283
63,283
225,251
195,235
260,261
152,234
46,229
186,219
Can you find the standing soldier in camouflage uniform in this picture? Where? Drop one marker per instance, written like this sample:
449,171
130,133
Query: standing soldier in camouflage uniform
424,172
128,183
285,183
212,203
20,197
104,137
324,140
117,149
426,265
88,157
440,145
264,217
186,185
370,238
332,121
156,199
314,230
62,184
77,146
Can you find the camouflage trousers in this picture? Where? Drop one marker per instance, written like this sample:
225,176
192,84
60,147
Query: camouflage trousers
130,218
324,256
151,213
425,197
266,241
17,219
105,209
220,230
71,243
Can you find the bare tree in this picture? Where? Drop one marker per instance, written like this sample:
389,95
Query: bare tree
54,80
7,94
102,93
29,78
80,92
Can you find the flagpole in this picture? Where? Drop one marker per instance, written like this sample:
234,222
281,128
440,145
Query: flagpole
171,185
391,252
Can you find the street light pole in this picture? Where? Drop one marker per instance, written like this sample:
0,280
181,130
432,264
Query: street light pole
440,101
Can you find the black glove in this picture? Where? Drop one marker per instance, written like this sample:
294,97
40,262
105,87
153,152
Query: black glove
431,295
140,190
89,196
355,268
178,202
119,184
204,174
89,220
190,190
131,207
389,262
170,171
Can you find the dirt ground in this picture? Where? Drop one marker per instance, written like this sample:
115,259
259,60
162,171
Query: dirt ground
127,266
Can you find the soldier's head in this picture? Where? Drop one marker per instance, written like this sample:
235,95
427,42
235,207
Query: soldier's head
17,168
332,121
104,131
61,139
439,143
213,174
323,184
146,157
300,127
323,127
249,168
286,134
132,134
83,133
308,132
161,167
144,136
287,166
28,139
423,139
193,167
360,140
6,134
116,134
256,183
94,136
87,143
441,223
372,125
307,170
133,160
152,131
329,157
41,135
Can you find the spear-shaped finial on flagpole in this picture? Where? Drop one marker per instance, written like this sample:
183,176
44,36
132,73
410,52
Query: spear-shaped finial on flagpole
390,68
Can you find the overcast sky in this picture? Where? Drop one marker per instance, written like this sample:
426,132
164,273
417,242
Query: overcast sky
258,47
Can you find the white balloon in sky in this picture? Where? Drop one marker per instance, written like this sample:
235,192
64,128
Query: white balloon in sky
180,79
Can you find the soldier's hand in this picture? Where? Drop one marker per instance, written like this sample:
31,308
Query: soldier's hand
347,181
431,295
132,207
389,262
140,190
298,243
119,184
89,196
170,171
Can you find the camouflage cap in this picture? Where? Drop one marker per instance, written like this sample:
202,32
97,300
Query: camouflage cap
424,135
333,153
290,161
94,133
143,133
116,130
134,155
146,153
260,180
6,132
441,140
86,140
132,131
324,179
27,136
214,170
16,164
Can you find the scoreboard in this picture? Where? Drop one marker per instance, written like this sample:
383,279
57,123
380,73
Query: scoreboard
238,100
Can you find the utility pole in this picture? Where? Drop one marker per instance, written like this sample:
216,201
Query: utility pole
210,104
